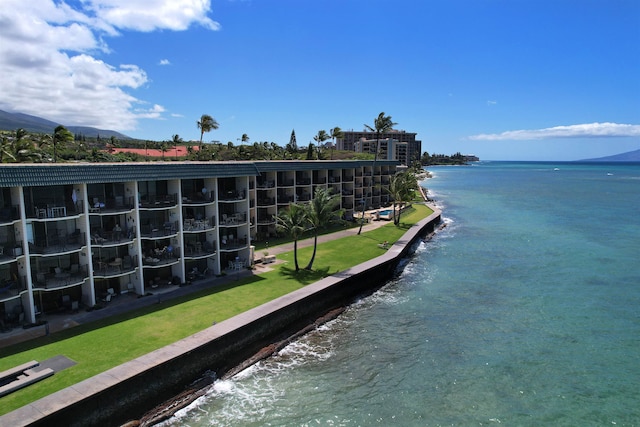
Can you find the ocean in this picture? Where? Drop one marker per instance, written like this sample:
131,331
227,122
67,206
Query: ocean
523,311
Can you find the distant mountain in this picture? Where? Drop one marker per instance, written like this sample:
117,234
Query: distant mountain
13,121
630,156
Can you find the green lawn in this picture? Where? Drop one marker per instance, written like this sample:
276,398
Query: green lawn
101,345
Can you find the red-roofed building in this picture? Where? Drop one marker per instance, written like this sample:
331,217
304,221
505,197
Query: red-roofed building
179,151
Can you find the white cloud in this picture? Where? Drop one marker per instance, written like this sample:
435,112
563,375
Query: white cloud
165,62
49,64
490,103
149,15
588,130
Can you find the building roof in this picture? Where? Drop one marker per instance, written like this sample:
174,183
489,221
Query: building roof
42,174
300,165
178,151
12,175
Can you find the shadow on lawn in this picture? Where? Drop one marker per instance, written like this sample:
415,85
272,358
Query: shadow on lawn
156,302
303,276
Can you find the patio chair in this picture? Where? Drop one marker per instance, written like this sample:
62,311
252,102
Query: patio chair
65,301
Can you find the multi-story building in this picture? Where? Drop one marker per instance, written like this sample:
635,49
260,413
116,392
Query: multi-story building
388,149
351,140
72,235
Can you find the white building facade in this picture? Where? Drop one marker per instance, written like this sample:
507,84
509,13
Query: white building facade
73,235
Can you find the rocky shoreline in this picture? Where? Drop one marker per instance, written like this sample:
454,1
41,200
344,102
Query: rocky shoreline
200,387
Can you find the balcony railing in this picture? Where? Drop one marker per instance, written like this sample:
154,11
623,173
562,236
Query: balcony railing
198,198
9,214
114,266
55,243
198,224
199,249
232,195
108,238
159,201
74,275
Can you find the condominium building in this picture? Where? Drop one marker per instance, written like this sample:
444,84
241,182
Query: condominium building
350,141
74,235
388,149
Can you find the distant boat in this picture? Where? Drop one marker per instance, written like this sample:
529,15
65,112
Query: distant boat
609,174
556,169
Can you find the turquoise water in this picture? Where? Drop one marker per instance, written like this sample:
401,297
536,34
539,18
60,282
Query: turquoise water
523,311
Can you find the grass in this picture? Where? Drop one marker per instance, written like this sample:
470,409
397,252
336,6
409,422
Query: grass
101,345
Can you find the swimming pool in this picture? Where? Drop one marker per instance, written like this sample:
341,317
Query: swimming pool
385,214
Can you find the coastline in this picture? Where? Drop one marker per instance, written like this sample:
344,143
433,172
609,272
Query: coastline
167,409
221,347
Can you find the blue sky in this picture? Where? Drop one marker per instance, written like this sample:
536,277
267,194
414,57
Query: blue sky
503,79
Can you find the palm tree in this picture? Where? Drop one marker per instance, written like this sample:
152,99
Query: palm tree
175,140
244,138
401,188
60,136
24,149
382,124
320,138
164,147
6,150
336,132
292,221
206,124
321,212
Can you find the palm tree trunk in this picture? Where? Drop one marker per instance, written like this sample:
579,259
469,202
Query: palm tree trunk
395,221
295,254
313,255
399,212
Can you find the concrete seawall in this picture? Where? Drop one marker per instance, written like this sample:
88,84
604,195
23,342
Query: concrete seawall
126,391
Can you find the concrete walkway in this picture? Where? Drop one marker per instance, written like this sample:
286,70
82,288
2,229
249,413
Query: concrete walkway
288,247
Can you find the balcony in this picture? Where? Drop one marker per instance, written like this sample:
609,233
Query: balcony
198,198
54,243
159,201
112,267
233,219
231,242
232,195
114,237
54,212
266,201
151,231
10,289
285,183
9,251
61,278
161,257
266,185
110,205
198,249
9,214
197,225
